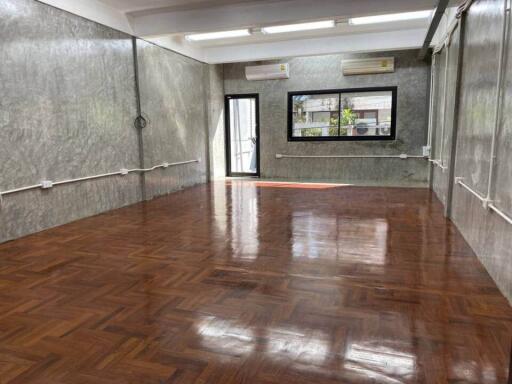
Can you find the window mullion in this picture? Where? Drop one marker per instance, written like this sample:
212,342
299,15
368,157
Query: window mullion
339,114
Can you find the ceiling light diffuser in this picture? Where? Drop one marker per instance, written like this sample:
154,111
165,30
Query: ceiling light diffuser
218,35
299,27
390,17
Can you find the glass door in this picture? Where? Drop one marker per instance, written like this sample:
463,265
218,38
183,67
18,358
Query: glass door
242,141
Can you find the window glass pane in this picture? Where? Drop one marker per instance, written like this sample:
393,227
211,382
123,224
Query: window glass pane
366,113
242,126
315,115
343,115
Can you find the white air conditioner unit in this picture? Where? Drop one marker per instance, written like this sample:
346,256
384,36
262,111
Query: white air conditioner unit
268,72
368,66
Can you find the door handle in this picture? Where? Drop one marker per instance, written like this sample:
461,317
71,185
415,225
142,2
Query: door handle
253,139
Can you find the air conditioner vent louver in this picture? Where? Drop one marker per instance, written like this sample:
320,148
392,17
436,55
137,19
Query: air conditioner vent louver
268,72
368,66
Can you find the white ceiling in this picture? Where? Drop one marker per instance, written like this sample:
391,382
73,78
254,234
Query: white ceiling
166,22
129,6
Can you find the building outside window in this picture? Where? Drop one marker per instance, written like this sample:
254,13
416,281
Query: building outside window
352,114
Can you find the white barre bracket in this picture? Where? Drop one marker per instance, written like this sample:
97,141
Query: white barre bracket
439,164
46,184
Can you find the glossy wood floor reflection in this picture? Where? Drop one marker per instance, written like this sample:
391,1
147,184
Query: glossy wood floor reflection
254,282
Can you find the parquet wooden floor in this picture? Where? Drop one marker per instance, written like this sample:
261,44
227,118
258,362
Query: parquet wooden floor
254,282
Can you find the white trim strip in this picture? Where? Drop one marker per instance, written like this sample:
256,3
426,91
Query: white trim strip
463,8
498,103
433,90
446,40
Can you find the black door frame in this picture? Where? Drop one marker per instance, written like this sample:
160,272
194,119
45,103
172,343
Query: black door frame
227,119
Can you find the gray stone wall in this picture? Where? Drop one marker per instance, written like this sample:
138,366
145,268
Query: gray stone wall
67,110
488,234
172,93
216,123
443,113
324,72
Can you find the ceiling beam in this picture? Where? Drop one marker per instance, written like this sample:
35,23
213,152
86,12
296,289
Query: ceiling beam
434,24
232,16
365,42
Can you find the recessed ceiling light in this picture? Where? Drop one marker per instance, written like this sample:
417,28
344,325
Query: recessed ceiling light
390,17
299,27
218,35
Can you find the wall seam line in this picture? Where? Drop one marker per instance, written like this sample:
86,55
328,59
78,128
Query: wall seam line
140,138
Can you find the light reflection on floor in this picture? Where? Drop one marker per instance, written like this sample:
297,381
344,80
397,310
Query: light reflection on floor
380,362
236,284
226,336
292,344
302,346
288,184
305,346
356,240
311,236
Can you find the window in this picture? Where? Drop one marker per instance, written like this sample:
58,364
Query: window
344,114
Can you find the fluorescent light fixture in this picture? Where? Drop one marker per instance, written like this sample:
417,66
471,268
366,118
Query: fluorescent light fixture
218,35
299,27
390,17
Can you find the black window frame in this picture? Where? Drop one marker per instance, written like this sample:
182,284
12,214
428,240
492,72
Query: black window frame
392,136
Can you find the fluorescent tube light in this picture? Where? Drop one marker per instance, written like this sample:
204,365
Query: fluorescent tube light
390,17
299,27
218,35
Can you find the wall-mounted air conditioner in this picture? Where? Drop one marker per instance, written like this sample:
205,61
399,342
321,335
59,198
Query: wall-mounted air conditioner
368,66
268,72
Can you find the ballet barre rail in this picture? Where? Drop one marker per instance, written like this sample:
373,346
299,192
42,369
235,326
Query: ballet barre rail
46,184
402,156
489,204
